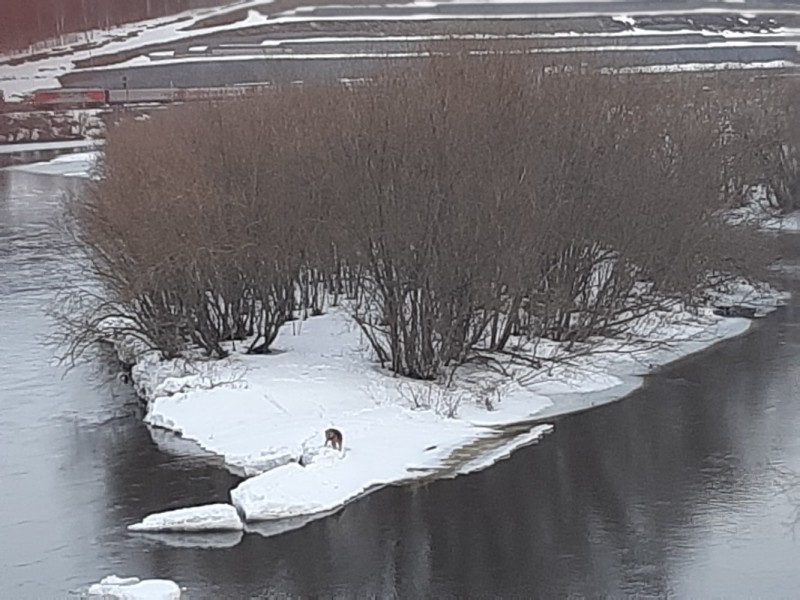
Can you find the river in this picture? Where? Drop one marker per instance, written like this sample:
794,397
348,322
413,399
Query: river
677,489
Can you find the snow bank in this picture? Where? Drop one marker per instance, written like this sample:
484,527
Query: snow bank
152,59
696,66
132,588
761,209
210,517
78,164
431,12
381,445
43,68
265,416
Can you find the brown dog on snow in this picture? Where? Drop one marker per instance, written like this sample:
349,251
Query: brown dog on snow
334,436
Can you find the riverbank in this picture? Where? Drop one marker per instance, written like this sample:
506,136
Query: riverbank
79,160
266,415
56,126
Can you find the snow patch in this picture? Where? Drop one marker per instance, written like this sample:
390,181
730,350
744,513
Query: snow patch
762,209
693,67
625,19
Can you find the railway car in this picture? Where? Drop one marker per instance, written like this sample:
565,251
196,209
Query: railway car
210,93
96,97
70,97
142,95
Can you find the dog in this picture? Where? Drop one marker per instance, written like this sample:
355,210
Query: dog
334,436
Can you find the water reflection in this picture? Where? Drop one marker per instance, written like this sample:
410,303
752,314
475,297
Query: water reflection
673,491
77,465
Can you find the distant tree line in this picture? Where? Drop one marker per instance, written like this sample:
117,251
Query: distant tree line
26,22
468,207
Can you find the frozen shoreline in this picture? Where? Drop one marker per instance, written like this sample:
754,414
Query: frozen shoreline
264,415
259,415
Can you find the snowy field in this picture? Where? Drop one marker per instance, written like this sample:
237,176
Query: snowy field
133,588
42,71
44,68
78,164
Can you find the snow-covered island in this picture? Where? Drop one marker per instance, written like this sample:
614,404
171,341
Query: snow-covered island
266,415
434,293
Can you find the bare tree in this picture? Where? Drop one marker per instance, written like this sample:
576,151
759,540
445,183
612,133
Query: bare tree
473,205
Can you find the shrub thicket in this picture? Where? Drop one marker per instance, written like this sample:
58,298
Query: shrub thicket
453,207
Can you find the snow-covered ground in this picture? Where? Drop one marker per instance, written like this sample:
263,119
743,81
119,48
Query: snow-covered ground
43,70
133,588
556,35
266,415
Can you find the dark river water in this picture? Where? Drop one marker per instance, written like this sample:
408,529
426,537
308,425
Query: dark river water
677,490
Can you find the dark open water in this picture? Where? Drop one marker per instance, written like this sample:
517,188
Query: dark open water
675,491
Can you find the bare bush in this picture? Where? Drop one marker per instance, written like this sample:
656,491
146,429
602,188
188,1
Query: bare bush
454,208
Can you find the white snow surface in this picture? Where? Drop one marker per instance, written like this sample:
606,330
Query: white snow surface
78,164
210,517
266,415
39,146
133,588
762,210
152,59
42,70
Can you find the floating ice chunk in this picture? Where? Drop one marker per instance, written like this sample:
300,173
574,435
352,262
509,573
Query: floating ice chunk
210,517
133,588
